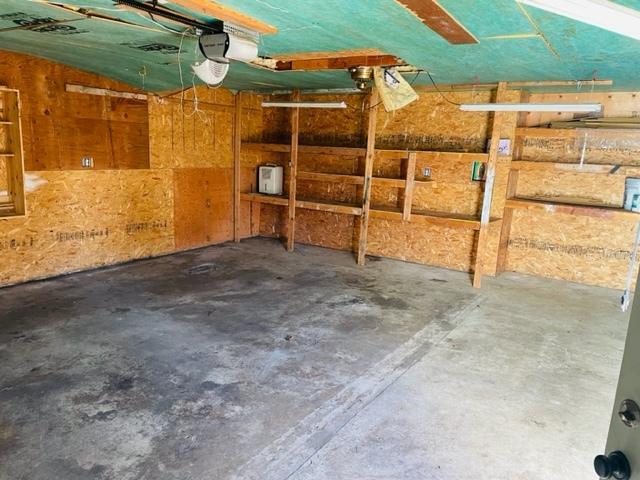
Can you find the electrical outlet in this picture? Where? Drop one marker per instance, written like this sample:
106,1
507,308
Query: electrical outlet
426,172
87,162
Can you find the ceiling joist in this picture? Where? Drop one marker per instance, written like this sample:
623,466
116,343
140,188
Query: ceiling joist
440,21
338,63
215,10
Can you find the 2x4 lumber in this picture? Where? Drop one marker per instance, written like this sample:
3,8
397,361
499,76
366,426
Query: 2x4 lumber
267,199
552,207
485,215
408,189
507,218
237,145
15,161
440,21
293,172
104,92
368,175
213,9
329,207
338,63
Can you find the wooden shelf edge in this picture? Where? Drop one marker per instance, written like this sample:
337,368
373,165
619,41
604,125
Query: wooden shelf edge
551,206
526,165
359,151
431,217
331,177
569,132
343,208
263,198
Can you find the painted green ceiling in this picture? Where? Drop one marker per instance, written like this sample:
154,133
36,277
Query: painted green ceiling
510,46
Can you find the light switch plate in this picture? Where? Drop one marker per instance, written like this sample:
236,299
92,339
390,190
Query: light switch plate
426,172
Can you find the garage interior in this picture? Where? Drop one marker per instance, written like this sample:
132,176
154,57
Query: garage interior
375,239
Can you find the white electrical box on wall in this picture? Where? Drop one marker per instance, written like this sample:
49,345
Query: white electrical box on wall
270,179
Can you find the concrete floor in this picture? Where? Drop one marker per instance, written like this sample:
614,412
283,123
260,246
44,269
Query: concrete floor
245,362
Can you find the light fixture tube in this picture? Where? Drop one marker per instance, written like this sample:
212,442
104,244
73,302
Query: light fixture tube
599,13
305,104
532,107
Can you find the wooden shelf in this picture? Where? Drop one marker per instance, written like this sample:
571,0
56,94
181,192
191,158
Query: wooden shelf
358,179
331,177
312,149
430,217
571,132
262,198
332,207
551,206
575,167
358,152
5,122
7,155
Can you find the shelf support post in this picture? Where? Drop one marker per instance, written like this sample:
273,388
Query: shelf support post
293,171
408,188
237,145
485,215
368,174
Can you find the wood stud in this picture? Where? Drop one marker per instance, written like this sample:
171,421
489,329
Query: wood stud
485,216
368,174
237,146
293,170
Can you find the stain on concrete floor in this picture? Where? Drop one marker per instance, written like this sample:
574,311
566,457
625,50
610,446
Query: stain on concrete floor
243,361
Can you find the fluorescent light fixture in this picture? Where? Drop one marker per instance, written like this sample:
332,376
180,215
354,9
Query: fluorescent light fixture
531,107
305,104
599,13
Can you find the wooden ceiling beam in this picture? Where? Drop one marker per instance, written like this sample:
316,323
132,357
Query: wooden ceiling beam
340,63
439,20
210,8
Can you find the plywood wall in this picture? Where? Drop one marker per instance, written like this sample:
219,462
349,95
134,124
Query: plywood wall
113,131
577,248
432,123
167,187
77,220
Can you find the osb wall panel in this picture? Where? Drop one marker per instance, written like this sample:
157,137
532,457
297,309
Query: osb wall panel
432,123
618,147
186,135
586,188
430,244
203,201
339,127
273,221
616,104
79,220
114,131
325,229
576,248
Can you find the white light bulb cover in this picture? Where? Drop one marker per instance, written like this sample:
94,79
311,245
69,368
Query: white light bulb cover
532,107
305,104
599,13
211,72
